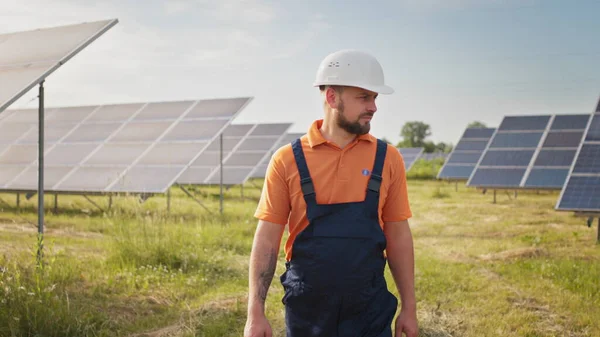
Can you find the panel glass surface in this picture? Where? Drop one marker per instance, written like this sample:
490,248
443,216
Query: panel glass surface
141,132
70,114
514,140
581,193
555,158
116,154
217,108
172,154
532,123
479,133
29,179
269,129
91,133
146,179
194,130
85,179
493,177
410,151
9,133
563,139
228,144
507,158
464,158
588,160
68,154
458,172
195,175
52,133
570,122
231,176
8,173
25,115
257,144
471,145
240,130
547,178
19,154
593,133
163,111
244,159
115,112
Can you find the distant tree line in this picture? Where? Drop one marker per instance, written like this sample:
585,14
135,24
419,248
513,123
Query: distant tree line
415,134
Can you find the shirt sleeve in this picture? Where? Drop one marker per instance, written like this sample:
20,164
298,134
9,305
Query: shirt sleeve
397,206
274,204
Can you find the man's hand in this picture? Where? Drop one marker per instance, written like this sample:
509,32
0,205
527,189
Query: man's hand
407,323
257,326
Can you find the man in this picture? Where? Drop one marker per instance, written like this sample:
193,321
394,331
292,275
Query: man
342,193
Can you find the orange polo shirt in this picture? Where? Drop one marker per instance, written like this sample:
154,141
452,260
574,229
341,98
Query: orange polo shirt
337,176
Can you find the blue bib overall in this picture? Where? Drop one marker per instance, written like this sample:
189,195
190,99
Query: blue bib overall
334,283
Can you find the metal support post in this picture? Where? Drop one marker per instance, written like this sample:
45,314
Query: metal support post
40,171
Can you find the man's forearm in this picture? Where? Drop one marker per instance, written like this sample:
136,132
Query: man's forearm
400,256
263,262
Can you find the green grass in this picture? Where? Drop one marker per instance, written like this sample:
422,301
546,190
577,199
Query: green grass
514,268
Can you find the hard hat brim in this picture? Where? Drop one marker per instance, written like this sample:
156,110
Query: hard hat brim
380,89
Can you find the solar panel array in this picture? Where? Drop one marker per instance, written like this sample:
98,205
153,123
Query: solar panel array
465,155
530,152
410,155
581,192
133,148
26,58
245,146
261,169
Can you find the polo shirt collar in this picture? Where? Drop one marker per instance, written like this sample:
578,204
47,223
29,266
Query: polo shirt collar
315,137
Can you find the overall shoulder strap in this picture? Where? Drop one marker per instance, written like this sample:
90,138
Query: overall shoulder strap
375,181
306,183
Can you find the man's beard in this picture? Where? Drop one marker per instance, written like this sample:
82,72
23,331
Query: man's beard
352,127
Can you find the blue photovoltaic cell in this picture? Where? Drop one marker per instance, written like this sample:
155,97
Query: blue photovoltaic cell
499,177
588,160
581,193
507,158
570,122
594,131
563,139
546,177
471,145
457,172
478,133
516,140
529,123
555,158
464,158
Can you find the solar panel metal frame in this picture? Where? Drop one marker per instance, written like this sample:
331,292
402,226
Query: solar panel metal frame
570,175
109,24
447,162
531,165
419,152
149,145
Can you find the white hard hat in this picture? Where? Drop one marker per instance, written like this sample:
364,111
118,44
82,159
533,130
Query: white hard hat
353,68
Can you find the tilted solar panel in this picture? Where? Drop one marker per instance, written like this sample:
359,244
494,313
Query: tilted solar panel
126,148
465,155
581,192
261,169
530,152
410,155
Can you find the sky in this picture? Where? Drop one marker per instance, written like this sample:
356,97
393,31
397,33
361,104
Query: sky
450,62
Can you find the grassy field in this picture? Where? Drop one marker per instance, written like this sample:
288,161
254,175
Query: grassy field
514,268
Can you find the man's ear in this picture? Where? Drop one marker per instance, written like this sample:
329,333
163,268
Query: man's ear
332,97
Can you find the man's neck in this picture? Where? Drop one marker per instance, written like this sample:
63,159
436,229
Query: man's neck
336,135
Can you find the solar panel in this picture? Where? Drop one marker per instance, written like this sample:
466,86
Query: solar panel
464,157
261,169
245,147
27,58
530,152
132,148
410,155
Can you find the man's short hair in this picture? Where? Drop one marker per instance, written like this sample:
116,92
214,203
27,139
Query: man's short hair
337,88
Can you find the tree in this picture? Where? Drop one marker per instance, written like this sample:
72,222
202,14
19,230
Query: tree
476,124
415,133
